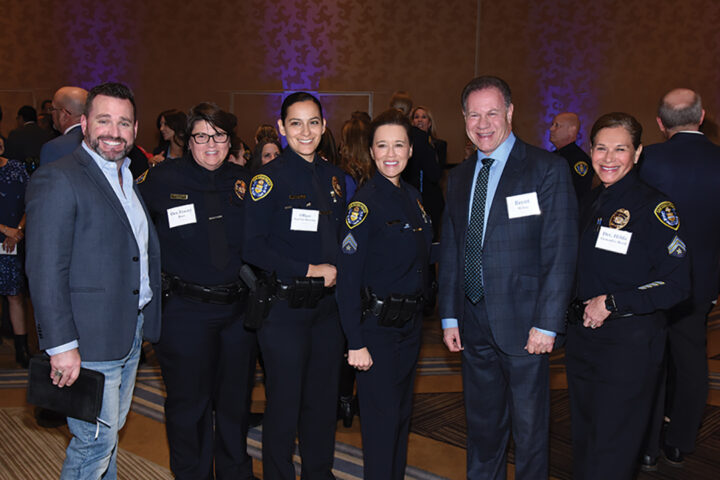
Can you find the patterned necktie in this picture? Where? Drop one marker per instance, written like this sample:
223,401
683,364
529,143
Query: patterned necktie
473,240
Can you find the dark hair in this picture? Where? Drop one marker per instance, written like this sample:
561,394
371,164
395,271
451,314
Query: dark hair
177,121
483,82
401,100
673,117
298,97
27,113
45,102
355,151
618,119
327,148
256,160
110,89
389,117
215,116
266,132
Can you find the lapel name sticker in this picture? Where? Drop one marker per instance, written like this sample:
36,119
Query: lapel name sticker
178,196
677,248
182,215
240,189
523,205
581,168
665,212
426,219
142,177
612,240
336,187
619,219
260,186
356,214
349,245
304,220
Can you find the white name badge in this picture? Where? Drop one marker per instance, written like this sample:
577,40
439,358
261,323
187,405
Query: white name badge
182,215
523,205
8,252
304,220
613,240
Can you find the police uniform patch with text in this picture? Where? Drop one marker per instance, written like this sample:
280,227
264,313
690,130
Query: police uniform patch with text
619,219
142,177
665,212
240,189
260,186
349,245
356,214
581,168
677,248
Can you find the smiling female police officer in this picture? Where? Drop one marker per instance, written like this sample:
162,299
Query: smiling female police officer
382,280
291,234
206,355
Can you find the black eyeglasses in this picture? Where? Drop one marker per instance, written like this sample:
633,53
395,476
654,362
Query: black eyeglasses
219,137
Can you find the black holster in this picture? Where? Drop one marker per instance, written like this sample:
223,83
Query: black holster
260,301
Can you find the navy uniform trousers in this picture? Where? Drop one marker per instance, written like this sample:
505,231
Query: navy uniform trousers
503,393
302,350
385,394
207,359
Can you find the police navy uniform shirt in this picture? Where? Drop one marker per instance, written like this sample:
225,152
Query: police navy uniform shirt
580,168
208,251
385,245
286,185
655,272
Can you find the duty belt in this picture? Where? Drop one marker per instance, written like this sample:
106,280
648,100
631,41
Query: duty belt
225,294
303,292
393,311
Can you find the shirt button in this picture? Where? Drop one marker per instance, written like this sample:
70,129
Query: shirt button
135,292
419,270
135,259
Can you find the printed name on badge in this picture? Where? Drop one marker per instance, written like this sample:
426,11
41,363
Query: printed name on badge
613,240
182,215
523,205
304,220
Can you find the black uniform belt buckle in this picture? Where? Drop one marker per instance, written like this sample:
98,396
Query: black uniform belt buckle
394,311
303,292
216,294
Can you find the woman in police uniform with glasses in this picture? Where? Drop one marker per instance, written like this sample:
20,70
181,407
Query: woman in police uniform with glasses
382,281
206,355
632,265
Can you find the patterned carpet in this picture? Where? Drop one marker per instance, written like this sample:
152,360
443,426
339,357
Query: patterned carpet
441,416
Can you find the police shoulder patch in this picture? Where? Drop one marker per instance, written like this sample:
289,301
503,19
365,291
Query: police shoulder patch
677,248
349,245
260,186
356,214
665,212
240,189
581,168
142,177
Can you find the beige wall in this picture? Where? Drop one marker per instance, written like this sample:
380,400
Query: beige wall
591,57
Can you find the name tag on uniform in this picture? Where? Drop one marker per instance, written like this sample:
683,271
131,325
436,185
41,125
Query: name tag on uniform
304,220
613,240
182,215
523,205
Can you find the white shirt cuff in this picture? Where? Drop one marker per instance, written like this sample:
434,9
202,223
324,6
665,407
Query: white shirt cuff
62,348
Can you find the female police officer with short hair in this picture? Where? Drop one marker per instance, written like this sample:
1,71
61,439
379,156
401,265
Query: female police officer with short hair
382,279
206,355
291,235
632,264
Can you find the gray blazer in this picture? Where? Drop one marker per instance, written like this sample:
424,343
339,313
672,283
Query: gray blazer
82,261
528,262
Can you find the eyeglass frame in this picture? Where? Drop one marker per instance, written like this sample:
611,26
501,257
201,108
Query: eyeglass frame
194,137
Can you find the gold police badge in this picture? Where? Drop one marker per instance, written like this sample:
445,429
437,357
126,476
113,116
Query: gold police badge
619,219
240,189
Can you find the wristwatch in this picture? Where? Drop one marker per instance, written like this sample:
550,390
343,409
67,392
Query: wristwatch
610,303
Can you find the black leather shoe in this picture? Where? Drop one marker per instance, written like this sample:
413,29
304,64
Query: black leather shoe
648,463
673,456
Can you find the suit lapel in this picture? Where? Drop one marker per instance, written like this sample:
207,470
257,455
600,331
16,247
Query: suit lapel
464,188
510,176
101,182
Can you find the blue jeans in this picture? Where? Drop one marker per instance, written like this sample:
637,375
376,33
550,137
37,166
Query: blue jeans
92,453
